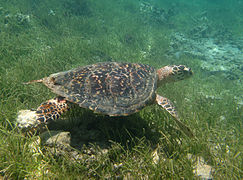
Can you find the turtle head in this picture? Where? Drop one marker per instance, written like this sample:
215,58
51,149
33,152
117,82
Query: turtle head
173,73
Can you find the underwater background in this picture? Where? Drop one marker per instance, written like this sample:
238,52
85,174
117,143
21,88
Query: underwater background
38,38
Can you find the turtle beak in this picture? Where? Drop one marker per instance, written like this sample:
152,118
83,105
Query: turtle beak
190,71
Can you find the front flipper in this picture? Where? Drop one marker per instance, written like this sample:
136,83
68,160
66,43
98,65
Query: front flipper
51,110
168,106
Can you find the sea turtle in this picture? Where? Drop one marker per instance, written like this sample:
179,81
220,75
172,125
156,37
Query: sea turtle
110,88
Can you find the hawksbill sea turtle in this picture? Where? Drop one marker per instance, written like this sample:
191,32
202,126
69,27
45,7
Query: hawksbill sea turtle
110,88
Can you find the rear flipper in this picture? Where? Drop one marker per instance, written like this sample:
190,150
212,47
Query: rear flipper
51,110
168,106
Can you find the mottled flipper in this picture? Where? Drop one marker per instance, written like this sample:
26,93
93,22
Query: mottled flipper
51,110
168,106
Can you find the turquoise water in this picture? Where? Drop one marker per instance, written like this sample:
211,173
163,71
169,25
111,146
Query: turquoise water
41,37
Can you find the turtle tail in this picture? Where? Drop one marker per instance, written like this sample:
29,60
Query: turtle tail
51,110
34,81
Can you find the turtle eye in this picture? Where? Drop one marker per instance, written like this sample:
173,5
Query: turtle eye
181,67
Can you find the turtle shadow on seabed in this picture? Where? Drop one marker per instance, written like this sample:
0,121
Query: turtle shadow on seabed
88,129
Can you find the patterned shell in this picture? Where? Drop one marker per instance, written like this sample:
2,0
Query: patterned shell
115,89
